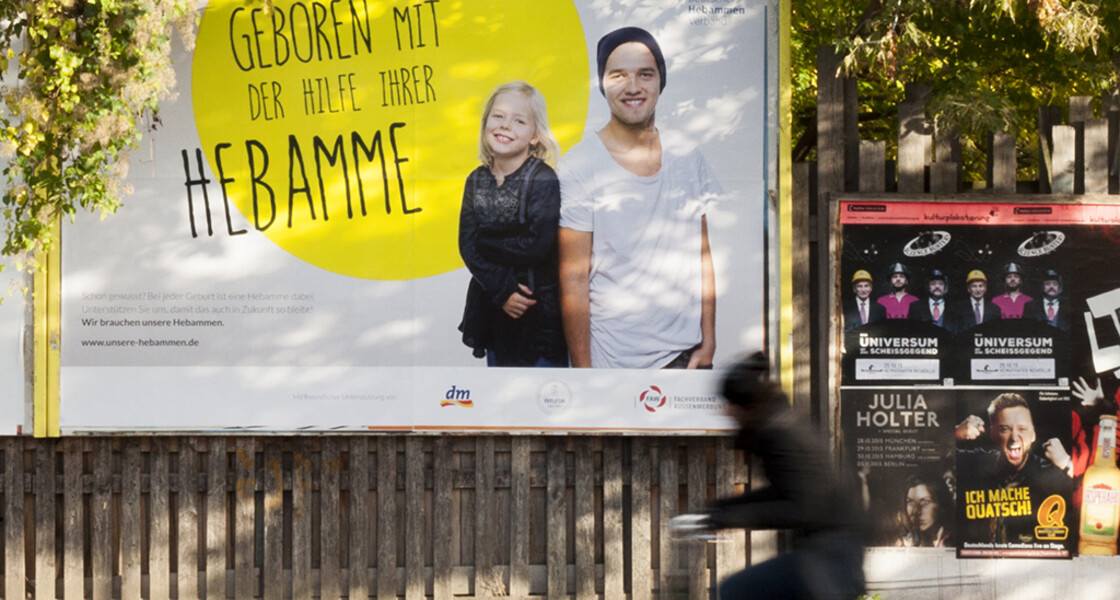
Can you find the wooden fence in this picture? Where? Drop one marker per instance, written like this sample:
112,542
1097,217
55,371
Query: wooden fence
374,516
1078,152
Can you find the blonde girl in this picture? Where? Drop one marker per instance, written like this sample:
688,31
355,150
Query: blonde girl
507,235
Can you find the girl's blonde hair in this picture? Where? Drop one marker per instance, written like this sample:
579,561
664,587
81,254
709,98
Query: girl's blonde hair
546,148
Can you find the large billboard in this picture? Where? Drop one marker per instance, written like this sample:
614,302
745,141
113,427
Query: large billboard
294,254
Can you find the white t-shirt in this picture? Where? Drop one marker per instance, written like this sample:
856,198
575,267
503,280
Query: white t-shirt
645,280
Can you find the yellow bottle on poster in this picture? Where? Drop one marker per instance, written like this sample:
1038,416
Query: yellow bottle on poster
1100,495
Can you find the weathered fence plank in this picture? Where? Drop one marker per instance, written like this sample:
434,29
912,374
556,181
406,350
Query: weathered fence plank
1080,112
802,286
697,498
486,585
519,517
1001,163
614,567
1063,159
386,518
831,102
414,518
216,516
915,140
1110,110
188,526
272,573
132,525
641,540
15,572
557,520
1095,173
101,524
1080,109
584,519
442,524
73,570
872,167
1048,118
943,178
359,519
946,145
159,510
462,516
851,134
948,159
244,544
330,466
668,457
302,588
45,564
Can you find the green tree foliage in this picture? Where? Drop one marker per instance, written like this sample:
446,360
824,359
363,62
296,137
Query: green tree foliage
990,63
79,78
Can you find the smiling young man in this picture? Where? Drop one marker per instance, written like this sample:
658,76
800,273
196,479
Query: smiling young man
637,281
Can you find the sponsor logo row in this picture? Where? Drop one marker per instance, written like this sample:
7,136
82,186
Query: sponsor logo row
555,396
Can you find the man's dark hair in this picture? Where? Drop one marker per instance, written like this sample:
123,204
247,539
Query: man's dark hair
1008,400
748,384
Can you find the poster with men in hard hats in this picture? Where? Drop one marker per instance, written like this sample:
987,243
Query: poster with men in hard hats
947,304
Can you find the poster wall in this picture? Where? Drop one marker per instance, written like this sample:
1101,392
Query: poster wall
292,256
980,346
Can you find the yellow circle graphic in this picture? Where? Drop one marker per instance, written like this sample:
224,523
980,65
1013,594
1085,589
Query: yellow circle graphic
343,130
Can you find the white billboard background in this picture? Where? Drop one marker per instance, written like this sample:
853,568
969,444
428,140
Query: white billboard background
302,348
14,310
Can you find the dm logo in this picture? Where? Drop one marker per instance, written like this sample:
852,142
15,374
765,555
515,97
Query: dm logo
652,398
457,397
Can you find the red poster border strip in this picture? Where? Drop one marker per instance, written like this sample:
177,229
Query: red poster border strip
870,212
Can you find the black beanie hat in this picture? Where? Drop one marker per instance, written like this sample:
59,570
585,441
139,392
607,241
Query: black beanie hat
608,43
